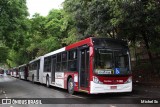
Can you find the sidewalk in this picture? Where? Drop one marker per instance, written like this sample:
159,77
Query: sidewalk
148,84
147,90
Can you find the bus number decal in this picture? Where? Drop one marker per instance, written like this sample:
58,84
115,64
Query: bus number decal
59,75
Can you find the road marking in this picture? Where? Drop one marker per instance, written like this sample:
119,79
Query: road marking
112,106
78,96
11,106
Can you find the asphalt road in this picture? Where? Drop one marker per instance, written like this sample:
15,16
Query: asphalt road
14,88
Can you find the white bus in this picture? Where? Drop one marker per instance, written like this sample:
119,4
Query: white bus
35,70
23,71
15,72
50,76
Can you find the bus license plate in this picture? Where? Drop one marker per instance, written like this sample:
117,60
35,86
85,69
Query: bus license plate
113,87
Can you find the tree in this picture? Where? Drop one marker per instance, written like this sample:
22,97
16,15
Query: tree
13,14
140,22
131,20
46,33
13,21
92,17
3,54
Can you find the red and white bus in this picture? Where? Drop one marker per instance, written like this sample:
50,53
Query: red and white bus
93,65
23,71
1,72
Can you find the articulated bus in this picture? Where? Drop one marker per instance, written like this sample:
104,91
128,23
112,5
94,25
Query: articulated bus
93,65
23,71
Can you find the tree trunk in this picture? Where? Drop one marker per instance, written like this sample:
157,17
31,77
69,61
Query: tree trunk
135,52
149,54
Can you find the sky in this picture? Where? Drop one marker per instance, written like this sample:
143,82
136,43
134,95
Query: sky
43,6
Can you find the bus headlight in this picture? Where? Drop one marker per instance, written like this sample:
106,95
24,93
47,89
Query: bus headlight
129,80
96,80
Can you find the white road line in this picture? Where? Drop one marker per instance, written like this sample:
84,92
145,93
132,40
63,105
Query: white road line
112,106
78,96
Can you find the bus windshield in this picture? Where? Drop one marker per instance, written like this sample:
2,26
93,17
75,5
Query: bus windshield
111,62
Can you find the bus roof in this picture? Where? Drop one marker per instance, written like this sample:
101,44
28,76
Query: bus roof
22,65
80,43
36,59
55,52
88,41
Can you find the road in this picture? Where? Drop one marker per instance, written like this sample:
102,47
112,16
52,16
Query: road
14,88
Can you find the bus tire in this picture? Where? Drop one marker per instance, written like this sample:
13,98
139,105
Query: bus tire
47,82
33,79
70,86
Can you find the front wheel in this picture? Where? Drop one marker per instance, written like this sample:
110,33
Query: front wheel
70,86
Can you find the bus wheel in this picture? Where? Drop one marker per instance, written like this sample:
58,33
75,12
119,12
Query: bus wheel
47,81
32,78
70,86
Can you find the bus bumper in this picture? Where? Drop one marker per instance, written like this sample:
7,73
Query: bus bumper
105,88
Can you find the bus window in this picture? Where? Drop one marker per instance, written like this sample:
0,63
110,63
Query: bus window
64,56
64,61
103,59
58,67
47,64
58,57
72,60
122,61
72,54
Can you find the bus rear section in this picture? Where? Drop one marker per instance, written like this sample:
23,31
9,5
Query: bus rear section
34,70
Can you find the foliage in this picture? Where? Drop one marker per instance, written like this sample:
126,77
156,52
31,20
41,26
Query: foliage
92,17
12,20
46,33
24,39
3,54
131,20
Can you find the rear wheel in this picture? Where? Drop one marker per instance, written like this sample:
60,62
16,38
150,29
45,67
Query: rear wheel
70,86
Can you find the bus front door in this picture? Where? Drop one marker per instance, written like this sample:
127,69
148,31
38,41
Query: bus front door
84,68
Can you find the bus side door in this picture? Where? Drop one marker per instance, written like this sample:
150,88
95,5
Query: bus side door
84,67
